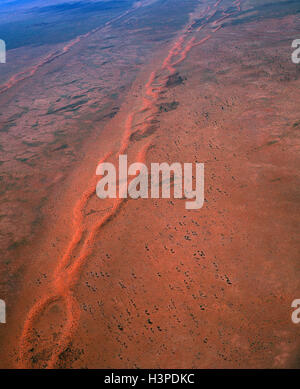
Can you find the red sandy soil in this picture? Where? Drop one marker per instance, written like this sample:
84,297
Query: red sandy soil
146,283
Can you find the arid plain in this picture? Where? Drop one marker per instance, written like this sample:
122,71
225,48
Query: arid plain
145,283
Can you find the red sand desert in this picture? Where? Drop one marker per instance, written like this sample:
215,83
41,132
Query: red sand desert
123,283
